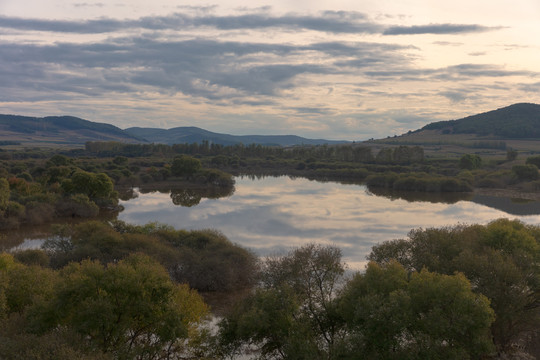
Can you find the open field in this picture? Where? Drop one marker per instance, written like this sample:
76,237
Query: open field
438,145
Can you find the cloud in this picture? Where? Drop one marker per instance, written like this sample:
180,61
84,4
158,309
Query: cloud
437,29
325,75
450,73
206,68
477,53
83,5
336,22
531,87
448,43
329,21
454,96
311,110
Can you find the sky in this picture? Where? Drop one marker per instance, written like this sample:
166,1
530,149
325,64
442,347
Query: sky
340,69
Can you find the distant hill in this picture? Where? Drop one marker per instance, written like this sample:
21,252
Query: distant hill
58,131
72,131
488,134
518,121
190,134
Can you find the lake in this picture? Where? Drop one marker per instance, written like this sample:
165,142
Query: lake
273,214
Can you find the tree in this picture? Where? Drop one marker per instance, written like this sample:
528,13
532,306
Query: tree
526,171
470,162
98,187
385,155
293,314
22,286
59,160
500,259
424,316
185,165
4,194
533,160
130,309
120,160
511,154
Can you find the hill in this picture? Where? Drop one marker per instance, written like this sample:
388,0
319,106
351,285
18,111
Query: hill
488,134
71,131
518,121
190,134
58,131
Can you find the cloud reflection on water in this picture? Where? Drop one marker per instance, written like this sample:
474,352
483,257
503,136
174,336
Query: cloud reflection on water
272,215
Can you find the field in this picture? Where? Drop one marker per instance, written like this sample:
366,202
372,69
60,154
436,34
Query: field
437,145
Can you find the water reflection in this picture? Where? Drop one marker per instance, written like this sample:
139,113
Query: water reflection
410,196
187,197
271,215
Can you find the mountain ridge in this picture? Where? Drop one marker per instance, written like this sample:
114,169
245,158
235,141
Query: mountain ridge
516,121
191,134
73,131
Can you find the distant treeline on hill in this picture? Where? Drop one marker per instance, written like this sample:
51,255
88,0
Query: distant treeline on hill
347,153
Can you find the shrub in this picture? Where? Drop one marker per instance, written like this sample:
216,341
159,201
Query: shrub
78,205
526,172
184,165
470,162
533,160
32,257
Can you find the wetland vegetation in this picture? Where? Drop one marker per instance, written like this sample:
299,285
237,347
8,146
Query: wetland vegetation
114,290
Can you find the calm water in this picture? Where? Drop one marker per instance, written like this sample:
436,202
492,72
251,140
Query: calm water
271,215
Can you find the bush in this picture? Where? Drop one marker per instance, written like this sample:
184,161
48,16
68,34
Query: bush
184,165
533,160
526,172
39,213
78,205
470,162
32,257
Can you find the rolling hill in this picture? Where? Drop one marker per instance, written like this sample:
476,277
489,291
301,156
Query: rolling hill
58,131
71,131
489,134
192,134
517,125
518,121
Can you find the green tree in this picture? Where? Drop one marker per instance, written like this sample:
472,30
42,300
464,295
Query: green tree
98,187
424,316
470,162
58,173
511,154
120,160
500,259
130,309
526,172
293,314
4,194
185,165
385,155
59,160
533,160
21,285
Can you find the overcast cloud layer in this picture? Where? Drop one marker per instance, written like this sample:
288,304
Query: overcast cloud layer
336,74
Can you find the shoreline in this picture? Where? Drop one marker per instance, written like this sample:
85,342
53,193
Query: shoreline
508,193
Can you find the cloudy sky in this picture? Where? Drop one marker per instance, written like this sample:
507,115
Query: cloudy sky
340,69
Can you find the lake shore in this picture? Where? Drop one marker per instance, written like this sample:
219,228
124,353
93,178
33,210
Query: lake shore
510,193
